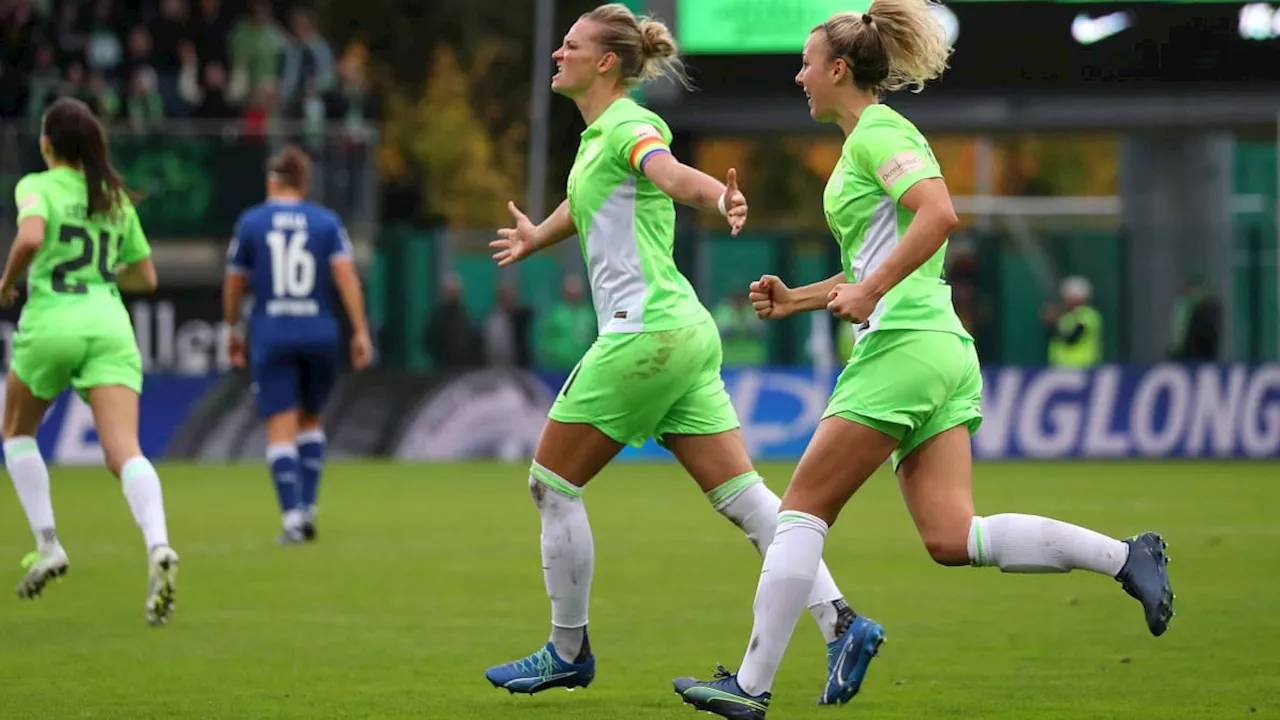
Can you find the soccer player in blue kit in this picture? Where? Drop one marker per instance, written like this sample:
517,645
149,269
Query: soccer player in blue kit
292,255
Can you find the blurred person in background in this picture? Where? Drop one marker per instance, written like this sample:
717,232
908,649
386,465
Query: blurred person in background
255,45
741,332
1197,324
308,60
568,328
1075,327
912,391
506,331
450,338
144,108
654,370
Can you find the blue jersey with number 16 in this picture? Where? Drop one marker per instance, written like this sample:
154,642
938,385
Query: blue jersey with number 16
286,249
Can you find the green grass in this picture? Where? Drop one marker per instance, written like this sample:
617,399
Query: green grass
426,575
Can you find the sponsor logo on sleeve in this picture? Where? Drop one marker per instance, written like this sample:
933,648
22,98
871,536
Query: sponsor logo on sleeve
899,166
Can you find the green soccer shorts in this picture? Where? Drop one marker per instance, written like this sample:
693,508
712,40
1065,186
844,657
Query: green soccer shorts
48,362
911,385
634,386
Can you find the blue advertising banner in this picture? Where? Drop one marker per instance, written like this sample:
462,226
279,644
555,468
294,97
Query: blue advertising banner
1164,411
67,436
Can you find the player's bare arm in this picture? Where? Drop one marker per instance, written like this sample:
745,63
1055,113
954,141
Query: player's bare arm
772,299
347,281
690,186
25,245
232,296
935,219
140,277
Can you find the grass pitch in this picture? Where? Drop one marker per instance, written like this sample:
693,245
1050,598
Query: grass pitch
426,575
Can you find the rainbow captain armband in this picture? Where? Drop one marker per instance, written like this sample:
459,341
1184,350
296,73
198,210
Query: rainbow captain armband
650,144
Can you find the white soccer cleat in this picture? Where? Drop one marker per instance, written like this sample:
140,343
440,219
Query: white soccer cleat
42,566
162,585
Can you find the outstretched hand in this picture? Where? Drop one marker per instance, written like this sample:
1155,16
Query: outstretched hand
514,244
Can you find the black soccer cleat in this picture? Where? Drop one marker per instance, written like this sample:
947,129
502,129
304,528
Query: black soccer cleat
1145,576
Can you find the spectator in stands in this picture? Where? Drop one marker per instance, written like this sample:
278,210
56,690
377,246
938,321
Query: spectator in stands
18,23
1075,329
1197,324
103,51
213,96
741,333
569,328
314,115
107,99
307,57
256,44
76,85
169,31
138,52
188,93
450,338
144,107
68,35
258,118
210,33
354,103
42,83
11,91
506,331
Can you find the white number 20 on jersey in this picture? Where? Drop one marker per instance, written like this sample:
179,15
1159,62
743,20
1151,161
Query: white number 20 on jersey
293,267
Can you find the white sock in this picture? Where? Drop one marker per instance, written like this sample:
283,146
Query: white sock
568,557
748,503
146,500
31,480
1032,544
786,580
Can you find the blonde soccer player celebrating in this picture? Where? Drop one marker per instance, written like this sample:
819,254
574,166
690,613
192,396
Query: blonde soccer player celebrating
654,371
912,389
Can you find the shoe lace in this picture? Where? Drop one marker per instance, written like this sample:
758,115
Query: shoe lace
722,674
540,662
31,558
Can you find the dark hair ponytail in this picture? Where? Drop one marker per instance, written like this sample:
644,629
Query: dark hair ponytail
77,137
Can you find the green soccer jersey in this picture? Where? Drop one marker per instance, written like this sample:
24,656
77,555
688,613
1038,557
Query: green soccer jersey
71,285
626,225
882,158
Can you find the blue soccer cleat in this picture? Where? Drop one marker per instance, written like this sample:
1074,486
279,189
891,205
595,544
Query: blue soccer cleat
848,658
722,696
540,671
1145,576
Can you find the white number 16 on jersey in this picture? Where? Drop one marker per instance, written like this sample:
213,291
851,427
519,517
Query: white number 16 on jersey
293,267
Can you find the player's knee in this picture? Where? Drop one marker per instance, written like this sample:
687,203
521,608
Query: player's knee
947,549
117,457
282,428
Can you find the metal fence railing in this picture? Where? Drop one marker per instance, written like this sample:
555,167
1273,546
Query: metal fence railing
197,176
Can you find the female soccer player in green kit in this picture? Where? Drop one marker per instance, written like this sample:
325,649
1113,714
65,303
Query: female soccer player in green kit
911,391
654,370
79,235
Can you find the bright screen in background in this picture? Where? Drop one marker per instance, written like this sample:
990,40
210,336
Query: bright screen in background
765,27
